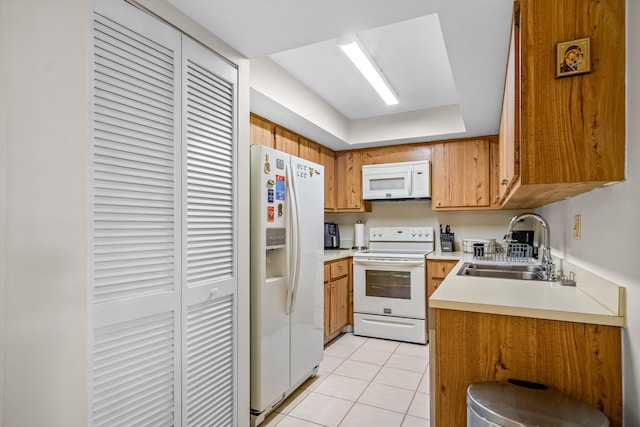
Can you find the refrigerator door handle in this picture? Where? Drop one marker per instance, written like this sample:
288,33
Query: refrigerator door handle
294,273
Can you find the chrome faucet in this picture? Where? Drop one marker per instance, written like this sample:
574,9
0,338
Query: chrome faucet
546,262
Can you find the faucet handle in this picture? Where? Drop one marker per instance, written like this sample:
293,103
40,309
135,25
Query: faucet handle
570,281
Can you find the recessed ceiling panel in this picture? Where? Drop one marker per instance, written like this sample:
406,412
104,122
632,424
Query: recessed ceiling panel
411,54
438,55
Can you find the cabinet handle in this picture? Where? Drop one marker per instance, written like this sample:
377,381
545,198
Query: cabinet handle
504,182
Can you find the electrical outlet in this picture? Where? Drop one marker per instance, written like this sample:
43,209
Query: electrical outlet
577,227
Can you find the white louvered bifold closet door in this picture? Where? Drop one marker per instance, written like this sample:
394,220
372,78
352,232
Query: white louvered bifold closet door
209,249
163,242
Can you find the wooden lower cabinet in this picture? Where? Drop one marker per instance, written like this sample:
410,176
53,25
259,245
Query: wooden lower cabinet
437,270
337,297
581,360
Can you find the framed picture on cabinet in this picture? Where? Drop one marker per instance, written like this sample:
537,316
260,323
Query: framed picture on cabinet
573,57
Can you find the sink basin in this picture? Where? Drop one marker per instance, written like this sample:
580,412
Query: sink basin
504,267
502,271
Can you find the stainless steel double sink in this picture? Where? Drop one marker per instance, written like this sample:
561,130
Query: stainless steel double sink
502,271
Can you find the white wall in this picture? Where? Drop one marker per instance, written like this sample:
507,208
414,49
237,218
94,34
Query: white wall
45,289
611,228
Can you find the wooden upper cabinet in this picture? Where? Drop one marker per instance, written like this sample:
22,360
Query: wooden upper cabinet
287,141
309,150
320,154
509,139
327,160
348,169
262,132
396,153
572,129
460,174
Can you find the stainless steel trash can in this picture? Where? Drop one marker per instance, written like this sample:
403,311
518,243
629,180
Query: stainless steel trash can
518,403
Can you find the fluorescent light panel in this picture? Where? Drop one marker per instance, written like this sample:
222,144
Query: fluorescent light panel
361,60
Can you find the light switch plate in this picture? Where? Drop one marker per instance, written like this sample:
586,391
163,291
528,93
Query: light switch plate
577,227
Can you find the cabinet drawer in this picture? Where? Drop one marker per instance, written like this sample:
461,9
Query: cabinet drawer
440,269
339,268
327,272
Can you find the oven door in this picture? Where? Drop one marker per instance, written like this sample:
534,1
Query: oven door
391,287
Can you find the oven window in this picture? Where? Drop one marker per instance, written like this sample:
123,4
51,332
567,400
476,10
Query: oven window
388,284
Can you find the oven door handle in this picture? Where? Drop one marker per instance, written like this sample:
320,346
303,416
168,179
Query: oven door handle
399,263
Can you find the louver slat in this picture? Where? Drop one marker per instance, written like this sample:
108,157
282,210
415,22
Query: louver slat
210,223
210,391
133,157
133,373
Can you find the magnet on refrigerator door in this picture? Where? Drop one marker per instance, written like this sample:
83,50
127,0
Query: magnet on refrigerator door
280,190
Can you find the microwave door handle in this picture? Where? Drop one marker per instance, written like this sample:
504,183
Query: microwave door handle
399,263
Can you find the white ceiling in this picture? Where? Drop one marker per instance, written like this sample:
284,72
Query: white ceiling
442,57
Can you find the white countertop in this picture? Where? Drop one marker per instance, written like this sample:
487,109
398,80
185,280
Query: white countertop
334,254
592,301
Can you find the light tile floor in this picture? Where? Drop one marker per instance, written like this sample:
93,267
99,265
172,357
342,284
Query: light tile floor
362,382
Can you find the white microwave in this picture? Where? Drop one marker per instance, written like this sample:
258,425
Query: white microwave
406,180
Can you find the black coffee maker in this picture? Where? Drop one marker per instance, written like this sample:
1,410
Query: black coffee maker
331,235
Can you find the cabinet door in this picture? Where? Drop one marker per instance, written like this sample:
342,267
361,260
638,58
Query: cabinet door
328,161
432,285
339,304
437,270
287,141
349,177
509,138
309,150
262,132
460,174
327,310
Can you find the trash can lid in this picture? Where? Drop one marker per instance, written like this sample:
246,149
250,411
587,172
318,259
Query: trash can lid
516,403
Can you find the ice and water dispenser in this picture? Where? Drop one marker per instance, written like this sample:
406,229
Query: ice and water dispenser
275,257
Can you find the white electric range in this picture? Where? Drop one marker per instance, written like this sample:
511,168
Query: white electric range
389,284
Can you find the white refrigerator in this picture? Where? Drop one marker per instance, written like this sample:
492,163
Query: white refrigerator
287,270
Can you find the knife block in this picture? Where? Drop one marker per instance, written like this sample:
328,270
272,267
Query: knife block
447,242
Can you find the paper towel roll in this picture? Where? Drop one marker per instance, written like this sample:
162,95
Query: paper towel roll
359,236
